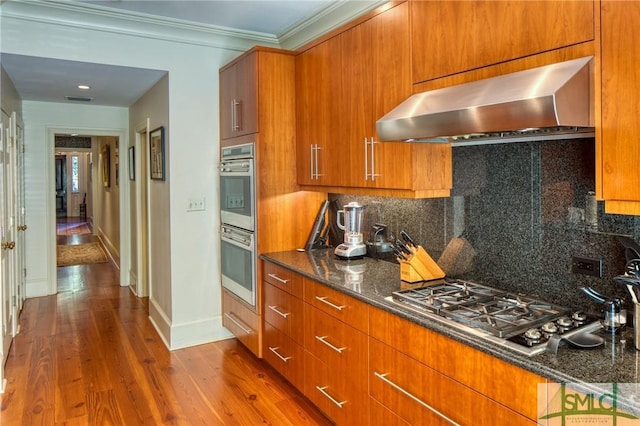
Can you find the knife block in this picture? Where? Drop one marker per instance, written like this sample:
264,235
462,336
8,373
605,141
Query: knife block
420,267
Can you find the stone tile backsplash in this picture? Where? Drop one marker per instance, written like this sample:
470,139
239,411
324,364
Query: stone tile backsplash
523,208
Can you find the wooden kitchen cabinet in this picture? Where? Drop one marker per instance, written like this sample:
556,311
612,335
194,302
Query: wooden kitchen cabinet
243,322
238,97
422,395
284,214
336,354
453,37
284,322
337,304
334,392
618,175
355,78
486,375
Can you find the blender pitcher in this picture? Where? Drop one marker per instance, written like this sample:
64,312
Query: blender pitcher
353,245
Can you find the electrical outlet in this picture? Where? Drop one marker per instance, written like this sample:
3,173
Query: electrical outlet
586,266
195,204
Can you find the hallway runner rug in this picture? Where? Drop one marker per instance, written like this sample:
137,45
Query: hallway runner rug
80,254
72,228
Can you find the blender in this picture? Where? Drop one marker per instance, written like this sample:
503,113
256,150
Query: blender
353,246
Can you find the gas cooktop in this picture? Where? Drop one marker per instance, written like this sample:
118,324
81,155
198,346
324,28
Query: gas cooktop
516,321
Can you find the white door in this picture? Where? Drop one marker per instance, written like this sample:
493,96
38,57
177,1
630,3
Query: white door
21,268
7,239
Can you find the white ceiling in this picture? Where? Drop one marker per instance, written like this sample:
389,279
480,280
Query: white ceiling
50,80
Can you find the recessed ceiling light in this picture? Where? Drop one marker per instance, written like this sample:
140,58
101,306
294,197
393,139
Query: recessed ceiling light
84,87
74,134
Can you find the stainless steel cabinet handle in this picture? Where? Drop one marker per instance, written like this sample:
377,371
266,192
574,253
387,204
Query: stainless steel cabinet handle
366,168
277,278
233,115
312,154
373,160
277,311
329,397
275,351
382,376
324,300
235,121
323,339
238,323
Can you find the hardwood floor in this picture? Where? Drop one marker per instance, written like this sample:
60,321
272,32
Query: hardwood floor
89,356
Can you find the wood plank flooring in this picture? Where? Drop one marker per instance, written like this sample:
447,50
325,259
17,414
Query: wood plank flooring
89,356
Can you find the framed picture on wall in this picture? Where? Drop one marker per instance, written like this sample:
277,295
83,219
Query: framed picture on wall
156,152
106,166
132,163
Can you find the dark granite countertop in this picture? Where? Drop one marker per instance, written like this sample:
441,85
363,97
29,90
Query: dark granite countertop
371,281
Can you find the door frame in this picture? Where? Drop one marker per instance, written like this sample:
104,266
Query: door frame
125,243
142,273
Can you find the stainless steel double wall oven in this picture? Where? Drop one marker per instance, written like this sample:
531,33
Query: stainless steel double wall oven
237,213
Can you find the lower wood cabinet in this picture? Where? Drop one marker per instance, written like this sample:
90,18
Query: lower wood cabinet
421,395
363,365
335,392
285,355
243,322
337,344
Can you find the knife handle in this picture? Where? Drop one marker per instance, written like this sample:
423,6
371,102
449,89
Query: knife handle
407,238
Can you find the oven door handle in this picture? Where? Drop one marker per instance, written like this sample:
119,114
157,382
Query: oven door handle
238,241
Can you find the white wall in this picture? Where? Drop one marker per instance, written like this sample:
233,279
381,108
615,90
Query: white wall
192,150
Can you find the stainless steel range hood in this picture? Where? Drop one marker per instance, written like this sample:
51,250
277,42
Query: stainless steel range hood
549,102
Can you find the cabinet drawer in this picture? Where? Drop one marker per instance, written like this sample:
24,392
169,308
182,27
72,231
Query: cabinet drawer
285,355
337,304
421,395
241,321
282,278
334,393
464,364
342,347
284,312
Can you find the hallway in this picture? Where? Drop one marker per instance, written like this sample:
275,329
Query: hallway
90,356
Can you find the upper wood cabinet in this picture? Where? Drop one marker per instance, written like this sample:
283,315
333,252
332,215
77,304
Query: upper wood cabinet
457,36
238,97
344,85
618,171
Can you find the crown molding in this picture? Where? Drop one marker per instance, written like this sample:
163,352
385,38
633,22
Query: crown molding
99,18
96,18
327,20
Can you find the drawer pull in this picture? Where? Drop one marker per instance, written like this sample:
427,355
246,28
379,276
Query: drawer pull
282,314
323,339
324,300
275,351
277,278
382,376
238,322
329,397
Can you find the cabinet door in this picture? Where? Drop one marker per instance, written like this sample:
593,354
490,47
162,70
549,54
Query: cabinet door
336,344
377,77
334,393
241,321
238,98
422,395
337,304
284,312
456,36
285,355
620,102
247,93
319,159
227,101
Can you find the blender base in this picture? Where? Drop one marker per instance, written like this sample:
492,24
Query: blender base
346,251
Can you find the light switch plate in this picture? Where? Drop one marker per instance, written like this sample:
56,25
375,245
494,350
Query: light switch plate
195,204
